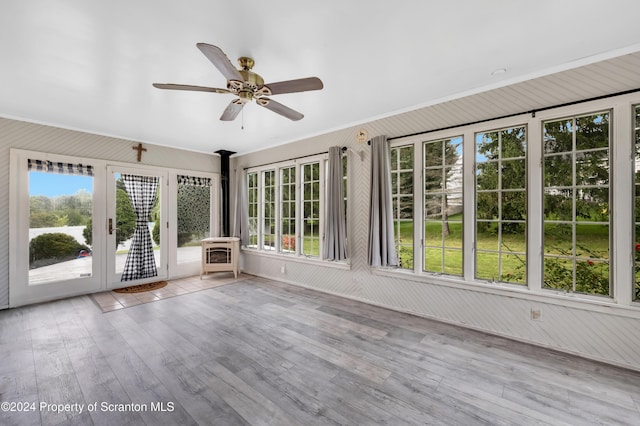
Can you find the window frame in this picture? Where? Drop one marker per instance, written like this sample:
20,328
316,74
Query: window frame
297,165
575,187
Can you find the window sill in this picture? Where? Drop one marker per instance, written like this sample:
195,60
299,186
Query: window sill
344,265
555,297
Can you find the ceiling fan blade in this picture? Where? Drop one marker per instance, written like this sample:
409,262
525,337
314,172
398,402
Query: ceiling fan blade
220,60
278,108
169,86
232,110
292,86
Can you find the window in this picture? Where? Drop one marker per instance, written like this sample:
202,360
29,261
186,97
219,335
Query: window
286,205
443,206
269,210
345,169
402,201
288,209
501,205
252,193
636,172
311,209
576,204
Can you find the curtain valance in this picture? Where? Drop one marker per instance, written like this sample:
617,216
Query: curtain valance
193,180
59,167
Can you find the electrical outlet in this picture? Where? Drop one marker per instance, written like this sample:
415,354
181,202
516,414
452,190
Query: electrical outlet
536,315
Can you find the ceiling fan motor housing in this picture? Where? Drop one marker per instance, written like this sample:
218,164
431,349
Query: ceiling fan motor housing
252,81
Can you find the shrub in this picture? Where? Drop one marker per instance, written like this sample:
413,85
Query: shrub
288,242
52,248
155,232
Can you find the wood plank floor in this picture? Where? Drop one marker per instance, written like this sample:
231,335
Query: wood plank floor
259,352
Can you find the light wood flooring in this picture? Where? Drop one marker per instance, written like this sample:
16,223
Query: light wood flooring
258,352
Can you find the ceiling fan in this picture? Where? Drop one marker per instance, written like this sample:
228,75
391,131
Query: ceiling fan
247,85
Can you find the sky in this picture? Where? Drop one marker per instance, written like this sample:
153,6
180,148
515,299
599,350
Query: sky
52,184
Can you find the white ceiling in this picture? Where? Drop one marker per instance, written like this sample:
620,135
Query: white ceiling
89,64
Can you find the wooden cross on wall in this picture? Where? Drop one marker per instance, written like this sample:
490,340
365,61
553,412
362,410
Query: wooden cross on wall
139,148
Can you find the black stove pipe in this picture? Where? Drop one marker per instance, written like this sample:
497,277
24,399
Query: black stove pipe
225,180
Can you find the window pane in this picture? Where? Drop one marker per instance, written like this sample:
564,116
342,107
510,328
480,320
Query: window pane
592,168
558,170
453,262
558,136
514,174
558,204
513,142
513,205
433,261
592,131
487,266
488,207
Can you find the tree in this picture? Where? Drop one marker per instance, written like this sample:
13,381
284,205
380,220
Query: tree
87,232
440,167
125,217
502,168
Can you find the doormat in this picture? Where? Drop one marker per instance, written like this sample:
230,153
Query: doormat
142,287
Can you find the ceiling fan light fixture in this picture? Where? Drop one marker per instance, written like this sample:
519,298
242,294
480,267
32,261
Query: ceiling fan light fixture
245,95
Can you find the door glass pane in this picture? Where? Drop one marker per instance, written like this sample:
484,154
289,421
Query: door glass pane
194,211
60,226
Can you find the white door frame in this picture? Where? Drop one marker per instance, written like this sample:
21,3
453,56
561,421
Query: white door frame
21,293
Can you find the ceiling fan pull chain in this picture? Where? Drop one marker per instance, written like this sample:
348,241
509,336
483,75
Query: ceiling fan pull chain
242,112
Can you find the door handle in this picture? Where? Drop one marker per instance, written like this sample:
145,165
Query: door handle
111,228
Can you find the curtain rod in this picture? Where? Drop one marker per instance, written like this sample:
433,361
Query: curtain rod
532,112
343,149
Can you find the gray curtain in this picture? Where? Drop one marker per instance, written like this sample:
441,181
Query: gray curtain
241,219
382,250
140,261
334,247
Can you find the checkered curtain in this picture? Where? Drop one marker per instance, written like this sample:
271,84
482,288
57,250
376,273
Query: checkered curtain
140,261
58,167
193,180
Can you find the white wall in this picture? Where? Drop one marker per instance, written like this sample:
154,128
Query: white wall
35,137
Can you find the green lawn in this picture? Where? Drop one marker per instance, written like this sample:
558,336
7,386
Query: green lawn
592,242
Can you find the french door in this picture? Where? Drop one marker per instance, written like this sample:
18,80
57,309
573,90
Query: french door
81,226
136,224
